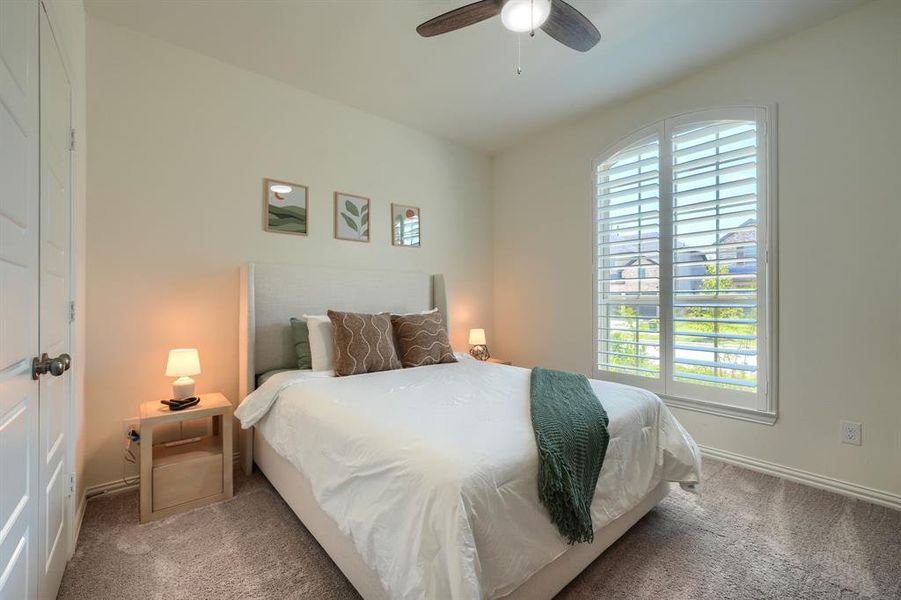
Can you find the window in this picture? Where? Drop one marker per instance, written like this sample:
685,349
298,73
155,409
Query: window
683,225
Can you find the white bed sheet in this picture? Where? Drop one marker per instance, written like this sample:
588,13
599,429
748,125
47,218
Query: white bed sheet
432,471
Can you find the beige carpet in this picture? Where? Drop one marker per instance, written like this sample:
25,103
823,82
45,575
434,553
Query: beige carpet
750,536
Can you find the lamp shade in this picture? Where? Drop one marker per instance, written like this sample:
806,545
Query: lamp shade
183,362
477,337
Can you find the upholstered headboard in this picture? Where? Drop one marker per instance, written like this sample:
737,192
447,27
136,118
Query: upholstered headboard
273,293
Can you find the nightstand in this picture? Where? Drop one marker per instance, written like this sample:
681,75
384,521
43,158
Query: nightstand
181,476
498,361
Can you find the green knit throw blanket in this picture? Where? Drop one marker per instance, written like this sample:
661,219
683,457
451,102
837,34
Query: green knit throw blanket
571,431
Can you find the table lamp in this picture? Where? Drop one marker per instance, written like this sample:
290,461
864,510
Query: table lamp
183,362
479,349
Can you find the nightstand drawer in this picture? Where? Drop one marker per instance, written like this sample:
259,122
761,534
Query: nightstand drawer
179,482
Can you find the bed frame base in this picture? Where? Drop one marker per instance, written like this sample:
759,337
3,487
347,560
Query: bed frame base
295,489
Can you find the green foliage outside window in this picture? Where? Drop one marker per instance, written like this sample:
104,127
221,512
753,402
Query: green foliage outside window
632,327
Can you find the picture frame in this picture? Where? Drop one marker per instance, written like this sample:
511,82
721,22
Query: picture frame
352,214
286,207
406,226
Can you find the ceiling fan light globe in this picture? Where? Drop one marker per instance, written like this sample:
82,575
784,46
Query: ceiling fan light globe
525,15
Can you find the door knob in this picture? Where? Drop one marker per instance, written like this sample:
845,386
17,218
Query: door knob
55,366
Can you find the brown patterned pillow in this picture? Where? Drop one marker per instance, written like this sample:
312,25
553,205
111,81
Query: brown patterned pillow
363,343
422,339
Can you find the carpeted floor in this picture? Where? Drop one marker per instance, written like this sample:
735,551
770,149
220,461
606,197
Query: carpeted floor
750,536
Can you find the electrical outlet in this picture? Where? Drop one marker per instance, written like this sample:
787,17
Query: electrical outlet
129,425
850,433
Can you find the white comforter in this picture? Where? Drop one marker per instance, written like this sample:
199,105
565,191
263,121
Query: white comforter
432,471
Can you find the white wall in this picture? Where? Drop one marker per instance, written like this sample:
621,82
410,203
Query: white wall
179,146
838,90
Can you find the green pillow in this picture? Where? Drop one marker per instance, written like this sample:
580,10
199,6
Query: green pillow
301,335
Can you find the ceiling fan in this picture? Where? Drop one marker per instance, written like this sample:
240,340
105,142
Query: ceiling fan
555,17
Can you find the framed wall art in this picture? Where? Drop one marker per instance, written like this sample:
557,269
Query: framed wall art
285,207
351,217
405,225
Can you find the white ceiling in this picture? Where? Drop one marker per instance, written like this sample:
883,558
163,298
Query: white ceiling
462,85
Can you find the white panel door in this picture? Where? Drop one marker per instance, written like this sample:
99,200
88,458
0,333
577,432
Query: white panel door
18,298
55,485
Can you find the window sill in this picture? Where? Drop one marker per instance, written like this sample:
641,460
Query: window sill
721,410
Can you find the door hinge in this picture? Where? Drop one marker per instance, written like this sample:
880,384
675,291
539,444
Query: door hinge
71,140
71,483
71,311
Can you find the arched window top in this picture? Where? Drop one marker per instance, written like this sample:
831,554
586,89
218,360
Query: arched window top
682,307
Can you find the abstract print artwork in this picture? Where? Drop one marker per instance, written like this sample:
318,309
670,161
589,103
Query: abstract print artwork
351,217
285,207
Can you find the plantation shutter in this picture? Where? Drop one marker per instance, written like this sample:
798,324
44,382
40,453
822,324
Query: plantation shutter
715,222
681,265
627,221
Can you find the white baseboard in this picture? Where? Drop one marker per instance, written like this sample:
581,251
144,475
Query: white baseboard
822,482
112,487
79,517
845,488
119,485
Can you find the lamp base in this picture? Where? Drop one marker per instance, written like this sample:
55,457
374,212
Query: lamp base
182,388
480,352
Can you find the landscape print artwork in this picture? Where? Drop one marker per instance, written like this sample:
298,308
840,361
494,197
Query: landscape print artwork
286,207
351,217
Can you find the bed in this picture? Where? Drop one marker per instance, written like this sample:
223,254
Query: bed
421,483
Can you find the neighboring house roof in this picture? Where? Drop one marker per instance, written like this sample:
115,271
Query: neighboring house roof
648,245
652,247
635,261
740,236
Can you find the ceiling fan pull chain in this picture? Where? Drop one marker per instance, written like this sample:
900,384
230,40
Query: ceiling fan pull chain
531,18
519,55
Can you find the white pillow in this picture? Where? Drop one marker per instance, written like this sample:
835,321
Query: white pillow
425,312
322,342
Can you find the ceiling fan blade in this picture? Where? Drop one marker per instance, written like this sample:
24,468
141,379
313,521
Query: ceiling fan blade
570,27
460,18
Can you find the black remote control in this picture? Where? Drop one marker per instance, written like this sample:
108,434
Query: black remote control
180,404
184,405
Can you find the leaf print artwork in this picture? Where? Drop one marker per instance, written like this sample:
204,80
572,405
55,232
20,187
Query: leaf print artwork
350,222
351,217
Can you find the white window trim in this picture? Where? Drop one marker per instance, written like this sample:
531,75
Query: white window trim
767,265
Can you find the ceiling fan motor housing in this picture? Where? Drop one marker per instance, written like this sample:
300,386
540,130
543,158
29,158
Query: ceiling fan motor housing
555,17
